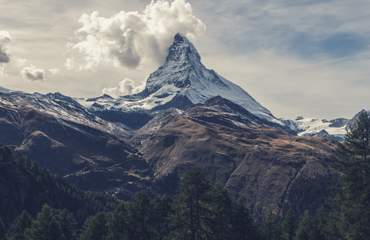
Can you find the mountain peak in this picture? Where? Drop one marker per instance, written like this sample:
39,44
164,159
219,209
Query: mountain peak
183,81
179,37
182,50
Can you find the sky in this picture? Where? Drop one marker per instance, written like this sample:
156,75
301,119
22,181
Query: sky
306,58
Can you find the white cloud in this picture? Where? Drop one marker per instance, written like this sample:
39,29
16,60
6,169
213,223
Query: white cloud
54,71
126,87
5,40
20,62
131,39
33,74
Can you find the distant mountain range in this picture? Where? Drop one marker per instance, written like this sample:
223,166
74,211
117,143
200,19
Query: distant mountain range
186,115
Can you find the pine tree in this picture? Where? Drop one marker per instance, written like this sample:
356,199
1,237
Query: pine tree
270,226
140,220
352,202
220,209
67,224
95,227
189,205
45,226
289,226
118,223
306,229
20,224
3,233
161,212
242,222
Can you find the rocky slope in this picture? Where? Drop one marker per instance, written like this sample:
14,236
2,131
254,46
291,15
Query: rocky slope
67,139
241,153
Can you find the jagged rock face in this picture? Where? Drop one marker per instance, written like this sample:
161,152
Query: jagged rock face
67,139
240,153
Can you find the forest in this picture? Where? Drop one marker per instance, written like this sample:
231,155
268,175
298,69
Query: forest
202,211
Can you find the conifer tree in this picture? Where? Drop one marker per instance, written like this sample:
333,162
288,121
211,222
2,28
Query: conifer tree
242,222
67,224
218,219
118,223
306,228
322,223
270,226
289,226
161,212
95,227
140,221
352,202
45,226
20,224
190,209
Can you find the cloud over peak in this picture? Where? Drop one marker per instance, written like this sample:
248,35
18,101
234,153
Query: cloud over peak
130,39
126,87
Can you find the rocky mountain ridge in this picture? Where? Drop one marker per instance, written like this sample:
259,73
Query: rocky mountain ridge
68,139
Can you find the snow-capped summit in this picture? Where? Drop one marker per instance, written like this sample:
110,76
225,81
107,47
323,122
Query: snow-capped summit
184,81
182,50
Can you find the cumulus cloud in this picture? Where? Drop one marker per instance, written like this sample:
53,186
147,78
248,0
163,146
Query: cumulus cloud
54,71
5,40
33,74
130,39
126,87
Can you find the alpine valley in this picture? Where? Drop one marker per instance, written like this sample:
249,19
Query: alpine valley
187,115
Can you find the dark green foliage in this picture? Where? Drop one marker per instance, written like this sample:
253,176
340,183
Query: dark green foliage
270,228
199,211
67,224
289,226
139,217
219,210
3,233
117,226
325,225
306,229
190,211
46,226
242,223
352,202
161,211
95,227
20,224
